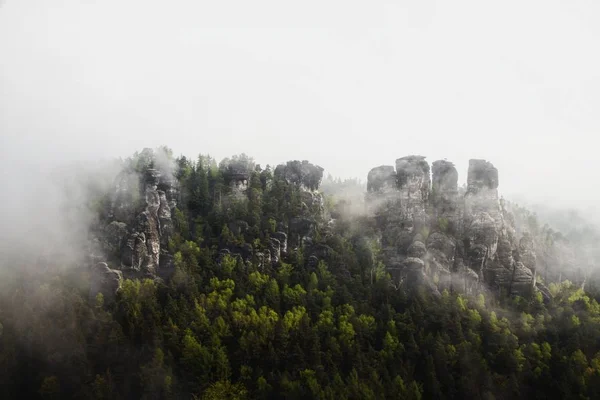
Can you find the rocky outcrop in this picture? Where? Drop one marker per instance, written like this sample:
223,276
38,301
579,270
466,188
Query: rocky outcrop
275,250
445,204
429,232
106,281
282,238
482,191
301,173
135,252
490,236
398,200
151,229
243,251
381,179
440,253
412,175
140,218
527,251
417,250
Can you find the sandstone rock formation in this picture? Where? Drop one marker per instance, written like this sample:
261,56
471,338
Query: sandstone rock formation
140,220
301,173
381,179
149,233
105,281
282,238
429,232
445,204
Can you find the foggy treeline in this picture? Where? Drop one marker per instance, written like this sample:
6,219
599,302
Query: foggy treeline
158,276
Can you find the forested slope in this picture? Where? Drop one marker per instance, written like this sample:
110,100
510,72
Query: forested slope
229,281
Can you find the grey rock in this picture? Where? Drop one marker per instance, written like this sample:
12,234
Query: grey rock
442,245
413,182
444,177
283,242
301,173
134,251
260,259
482,174
267,257
417,249
151,230
106,281
275,250
472,235
444,197
413,264
527,252
546,295
381,179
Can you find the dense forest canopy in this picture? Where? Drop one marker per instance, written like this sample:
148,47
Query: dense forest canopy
225,280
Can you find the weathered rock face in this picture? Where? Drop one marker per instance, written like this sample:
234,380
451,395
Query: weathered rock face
275,250
482,175
312,262
301,173
134,252
398,201
165,223
527,252
440,252
425,219
481,238
282,238
142,249
490,236
445,204
141,225
417,250
414,182
105,281
482,191
381,179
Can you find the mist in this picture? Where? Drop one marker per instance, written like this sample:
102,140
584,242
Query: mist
342,85
229,284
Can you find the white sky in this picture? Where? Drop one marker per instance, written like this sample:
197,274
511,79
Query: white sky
345,84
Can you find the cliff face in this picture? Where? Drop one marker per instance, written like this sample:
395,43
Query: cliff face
430,233
139,230
149,233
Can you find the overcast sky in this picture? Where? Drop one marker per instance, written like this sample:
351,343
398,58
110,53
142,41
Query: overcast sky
346,84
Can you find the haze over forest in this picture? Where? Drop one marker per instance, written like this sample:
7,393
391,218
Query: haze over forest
331,200
341,84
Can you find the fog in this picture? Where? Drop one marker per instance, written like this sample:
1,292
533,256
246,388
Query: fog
341,84
347,85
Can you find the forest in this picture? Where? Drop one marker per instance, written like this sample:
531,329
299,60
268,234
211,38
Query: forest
225,314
